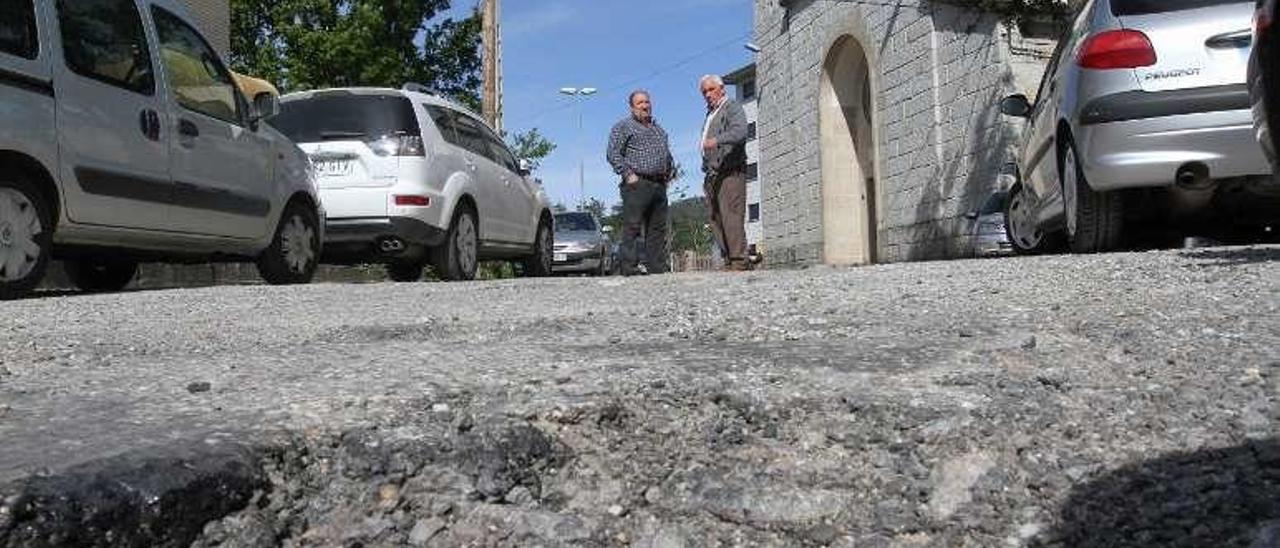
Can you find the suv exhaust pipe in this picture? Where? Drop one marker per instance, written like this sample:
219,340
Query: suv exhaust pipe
391,245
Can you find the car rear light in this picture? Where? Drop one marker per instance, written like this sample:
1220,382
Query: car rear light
412,200
1117,49
1261,22
397,145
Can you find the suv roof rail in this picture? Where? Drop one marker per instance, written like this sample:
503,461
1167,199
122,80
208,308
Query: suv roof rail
419,88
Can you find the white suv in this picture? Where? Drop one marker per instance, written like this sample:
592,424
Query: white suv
123,138
410,179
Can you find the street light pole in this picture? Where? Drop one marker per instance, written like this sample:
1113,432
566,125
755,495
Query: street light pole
578,94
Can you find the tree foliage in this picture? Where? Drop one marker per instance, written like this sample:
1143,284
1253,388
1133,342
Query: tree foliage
1019,10
308,44
531,146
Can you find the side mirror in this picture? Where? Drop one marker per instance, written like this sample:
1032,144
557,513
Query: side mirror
265,105
526,167
1016,106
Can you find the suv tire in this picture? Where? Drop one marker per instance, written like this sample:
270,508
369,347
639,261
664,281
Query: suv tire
457,257
405,271
1094,219
538,265
26,234
101,274
295,249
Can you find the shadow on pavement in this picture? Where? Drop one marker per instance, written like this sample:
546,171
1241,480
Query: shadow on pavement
1233,256
1220,497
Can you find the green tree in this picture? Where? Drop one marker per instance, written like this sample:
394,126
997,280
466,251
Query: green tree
308,44
531,145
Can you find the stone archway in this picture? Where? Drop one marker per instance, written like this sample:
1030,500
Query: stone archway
848,152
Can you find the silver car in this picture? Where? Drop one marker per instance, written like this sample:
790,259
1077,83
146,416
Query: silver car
1264,79
1142,114
580,245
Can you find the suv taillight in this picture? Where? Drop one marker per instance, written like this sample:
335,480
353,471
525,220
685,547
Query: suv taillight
1261,22
1117,49
397,145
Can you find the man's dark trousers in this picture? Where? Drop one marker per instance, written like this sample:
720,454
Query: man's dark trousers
727,199
644,211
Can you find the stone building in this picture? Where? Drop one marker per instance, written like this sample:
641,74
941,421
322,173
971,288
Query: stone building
743,81
879,126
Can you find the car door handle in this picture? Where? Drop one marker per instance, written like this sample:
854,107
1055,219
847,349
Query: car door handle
187,128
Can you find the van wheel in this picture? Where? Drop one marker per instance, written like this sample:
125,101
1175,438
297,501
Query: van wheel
538,265
97,274
26,234
457,257
294,252
405,271
1094,219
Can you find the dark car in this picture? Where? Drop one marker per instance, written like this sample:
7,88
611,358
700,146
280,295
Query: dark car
1264,80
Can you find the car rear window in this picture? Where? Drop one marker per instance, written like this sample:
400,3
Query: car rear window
574,221
1122,8
345,116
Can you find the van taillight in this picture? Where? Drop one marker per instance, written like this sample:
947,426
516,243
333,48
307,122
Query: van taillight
397,145
1117,49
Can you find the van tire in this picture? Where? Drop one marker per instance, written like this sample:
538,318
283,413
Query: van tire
18,193
294,253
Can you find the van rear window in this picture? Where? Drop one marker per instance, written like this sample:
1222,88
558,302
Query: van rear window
343,116
1122,8
18,28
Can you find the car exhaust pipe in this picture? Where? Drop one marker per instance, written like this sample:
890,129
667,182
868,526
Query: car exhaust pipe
1192,191
391,246
1193,176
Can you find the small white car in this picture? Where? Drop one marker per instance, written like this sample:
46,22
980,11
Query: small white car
410,179
124,138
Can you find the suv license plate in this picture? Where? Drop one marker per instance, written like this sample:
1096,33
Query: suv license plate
333,168
560,257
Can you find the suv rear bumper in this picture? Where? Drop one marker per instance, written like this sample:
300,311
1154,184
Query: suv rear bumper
359,239
1148,152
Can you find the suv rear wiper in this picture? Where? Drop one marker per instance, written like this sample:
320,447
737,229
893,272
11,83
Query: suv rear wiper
331,135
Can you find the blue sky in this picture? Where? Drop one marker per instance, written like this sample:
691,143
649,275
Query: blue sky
616,46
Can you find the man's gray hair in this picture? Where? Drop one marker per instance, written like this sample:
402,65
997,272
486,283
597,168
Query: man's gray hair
631,98
713,78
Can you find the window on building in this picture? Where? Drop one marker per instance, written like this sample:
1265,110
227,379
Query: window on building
748,90
104,40
753,213
18,28
753,172
751,130
195,75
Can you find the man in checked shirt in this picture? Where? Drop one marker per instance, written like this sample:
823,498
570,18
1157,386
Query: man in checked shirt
641,156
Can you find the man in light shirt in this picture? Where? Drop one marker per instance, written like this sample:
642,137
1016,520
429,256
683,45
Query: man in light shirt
724,161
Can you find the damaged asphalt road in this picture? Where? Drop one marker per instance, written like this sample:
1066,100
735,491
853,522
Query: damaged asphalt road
1123,399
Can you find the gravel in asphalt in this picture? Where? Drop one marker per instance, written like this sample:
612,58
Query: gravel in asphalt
1119,399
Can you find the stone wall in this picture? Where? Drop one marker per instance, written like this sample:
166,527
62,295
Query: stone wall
937,75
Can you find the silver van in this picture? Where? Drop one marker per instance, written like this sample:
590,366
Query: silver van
124,138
